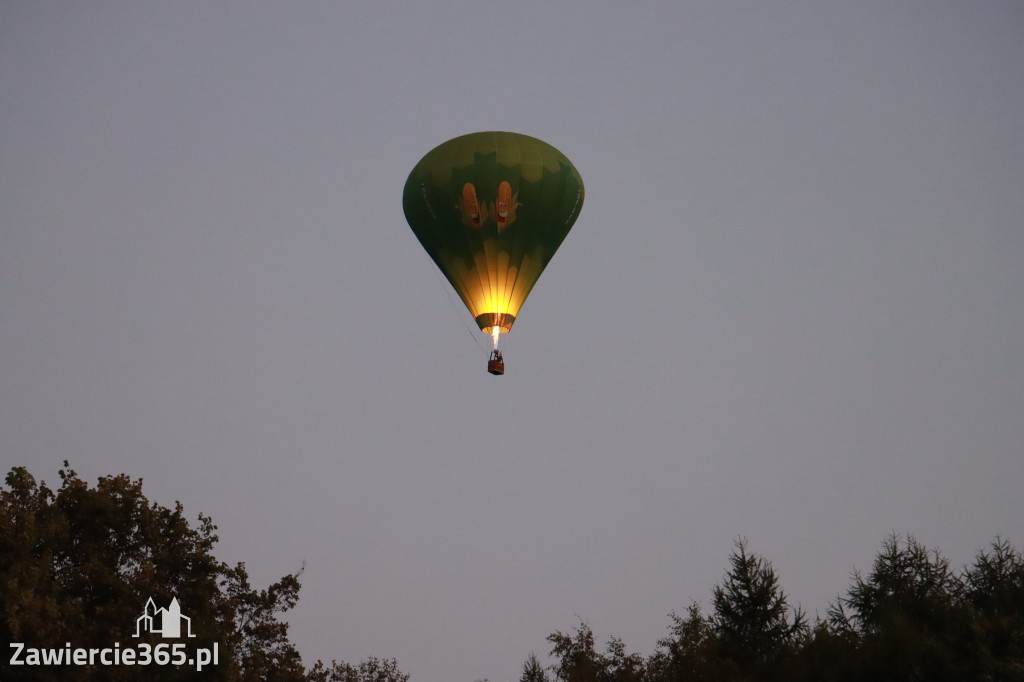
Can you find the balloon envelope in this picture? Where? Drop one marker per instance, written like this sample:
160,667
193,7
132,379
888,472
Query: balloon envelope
491,209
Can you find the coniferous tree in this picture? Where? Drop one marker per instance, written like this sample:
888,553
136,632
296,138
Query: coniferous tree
910,622
994,587
911,618
752,615
533,671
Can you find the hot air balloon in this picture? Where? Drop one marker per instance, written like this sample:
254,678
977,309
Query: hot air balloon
491,209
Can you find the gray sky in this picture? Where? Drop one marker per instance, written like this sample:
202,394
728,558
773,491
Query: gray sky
792,307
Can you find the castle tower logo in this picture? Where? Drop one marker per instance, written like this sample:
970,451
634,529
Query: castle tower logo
166,622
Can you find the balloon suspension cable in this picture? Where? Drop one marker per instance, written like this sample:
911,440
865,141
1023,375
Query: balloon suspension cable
459,312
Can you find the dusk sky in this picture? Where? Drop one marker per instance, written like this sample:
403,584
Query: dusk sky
791,309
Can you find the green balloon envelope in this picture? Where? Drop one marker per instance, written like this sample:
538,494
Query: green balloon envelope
491,209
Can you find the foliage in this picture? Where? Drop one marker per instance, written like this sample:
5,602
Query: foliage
993,587
751,620
370,670
580,662
78,564
691,652
915,618
533,671
912,617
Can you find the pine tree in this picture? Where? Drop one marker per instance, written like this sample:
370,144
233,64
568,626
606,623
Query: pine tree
533,671
752,615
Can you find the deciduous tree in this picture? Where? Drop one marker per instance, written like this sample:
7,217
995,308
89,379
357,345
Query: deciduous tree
78,565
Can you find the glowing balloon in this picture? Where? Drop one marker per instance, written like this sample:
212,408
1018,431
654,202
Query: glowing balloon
491,209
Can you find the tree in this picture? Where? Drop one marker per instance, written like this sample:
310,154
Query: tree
259,640
994,583
908,619
906,578
533,671
579,661
752,615
993,587
79,565
692,652
911,618
370,670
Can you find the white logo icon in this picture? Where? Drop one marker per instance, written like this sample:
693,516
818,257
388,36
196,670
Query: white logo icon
165,622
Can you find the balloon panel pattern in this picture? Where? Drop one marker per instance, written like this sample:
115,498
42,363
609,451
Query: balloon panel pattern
491,209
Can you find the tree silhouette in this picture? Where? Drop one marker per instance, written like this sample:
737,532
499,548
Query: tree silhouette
78,565
752,616
994,587
533,671
912,617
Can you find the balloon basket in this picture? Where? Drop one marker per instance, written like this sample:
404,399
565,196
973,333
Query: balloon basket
496,365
